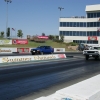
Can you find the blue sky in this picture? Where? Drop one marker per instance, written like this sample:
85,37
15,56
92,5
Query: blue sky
40,16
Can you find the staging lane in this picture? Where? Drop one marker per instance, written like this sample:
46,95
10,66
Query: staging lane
16,88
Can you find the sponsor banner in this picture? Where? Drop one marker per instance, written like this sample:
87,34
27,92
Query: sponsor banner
43,37
92,38
7,50
23,50
19,41
12,59
59,49
5,42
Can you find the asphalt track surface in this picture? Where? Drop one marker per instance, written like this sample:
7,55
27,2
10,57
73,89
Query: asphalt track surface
30,81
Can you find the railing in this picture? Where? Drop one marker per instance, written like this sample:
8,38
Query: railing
75,17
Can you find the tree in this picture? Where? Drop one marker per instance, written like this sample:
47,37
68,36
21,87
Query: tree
51,37
20,34
2,34
43,34
62,38
57,37
8,32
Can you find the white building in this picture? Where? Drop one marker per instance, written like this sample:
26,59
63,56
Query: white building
82,29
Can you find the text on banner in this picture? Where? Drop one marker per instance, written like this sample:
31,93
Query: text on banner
23,50
19,41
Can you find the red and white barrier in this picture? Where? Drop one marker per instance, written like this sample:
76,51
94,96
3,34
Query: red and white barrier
7,50
11,59
59,49
24,50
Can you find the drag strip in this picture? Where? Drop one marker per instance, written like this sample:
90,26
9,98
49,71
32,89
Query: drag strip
17,82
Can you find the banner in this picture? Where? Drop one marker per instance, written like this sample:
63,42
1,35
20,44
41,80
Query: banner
19,41
92,38
43,37
5,42
12,59
23,50
7,50
59,49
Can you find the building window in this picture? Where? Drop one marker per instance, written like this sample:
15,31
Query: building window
73,33
98,14
70,24
93,15
70,33
67,24
61,24
73,24
61,33
64,24
84,24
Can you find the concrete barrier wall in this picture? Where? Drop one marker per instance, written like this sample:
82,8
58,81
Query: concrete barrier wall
86,90
24,50
7,50
12,59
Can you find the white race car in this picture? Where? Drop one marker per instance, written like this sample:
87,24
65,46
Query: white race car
92,52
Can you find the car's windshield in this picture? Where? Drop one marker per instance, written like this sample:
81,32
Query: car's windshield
40,47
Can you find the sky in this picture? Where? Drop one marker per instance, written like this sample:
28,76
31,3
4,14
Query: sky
39,16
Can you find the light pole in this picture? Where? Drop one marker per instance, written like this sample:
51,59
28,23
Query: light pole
7,1
60,8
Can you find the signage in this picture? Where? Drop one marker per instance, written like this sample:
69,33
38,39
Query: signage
19,41
5,42
45,57
7,50
12,59
98,19
23,50
92,38
15,59
61,56
98,29
43,37
59,49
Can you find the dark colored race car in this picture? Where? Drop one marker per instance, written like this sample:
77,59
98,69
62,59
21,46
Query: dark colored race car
42,50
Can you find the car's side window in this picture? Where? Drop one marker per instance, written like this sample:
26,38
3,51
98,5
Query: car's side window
47,47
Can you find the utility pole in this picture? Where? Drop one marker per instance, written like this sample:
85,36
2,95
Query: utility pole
60,8
7,1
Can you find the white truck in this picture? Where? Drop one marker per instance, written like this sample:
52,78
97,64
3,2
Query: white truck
94,52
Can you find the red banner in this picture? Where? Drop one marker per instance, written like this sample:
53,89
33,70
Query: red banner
92,38
43,37
19,41
23,50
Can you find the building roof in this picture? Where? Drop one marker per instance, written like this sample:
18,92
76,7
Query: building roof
92,8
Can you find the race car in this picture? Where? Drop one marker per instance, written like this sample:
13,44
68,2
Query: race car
42,50
92,52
